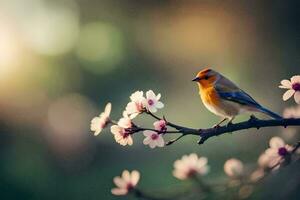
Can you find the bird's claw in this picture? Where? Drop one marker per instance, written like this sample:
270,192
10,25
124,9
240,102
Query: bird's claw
253,118
216,126
229,124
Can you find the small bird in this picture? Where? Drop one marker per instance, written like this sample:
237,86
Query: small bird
223,98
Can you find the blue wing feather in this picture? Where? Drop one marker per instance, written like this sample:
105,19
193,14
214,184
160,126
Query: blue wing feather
239,97
230,92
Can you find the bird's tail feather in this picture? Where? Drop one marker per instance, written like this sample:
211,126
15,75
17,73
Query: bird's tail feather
270,113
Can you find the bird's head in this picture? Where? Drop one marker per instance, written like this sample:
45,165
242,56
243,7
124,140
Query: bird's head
206,77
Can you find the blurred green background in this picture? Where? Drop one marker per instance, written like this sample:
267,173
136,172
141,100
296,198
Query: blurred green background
62,60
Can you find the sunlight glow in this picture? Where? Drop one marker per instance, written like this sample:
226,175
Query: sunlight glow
9,49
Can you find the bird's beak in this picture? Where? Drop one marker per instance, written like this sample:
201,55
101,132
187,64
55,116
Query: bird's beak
196,79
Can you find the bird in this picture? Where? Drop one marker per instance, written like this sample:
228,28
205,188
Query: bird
224,98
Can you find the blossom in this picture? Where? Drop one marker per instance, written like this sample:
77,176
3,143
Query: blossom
263,161
160,125
126,183
190,165
257,175
125,121
263,165
136,106
293,87
292,112
233,168
153,139
278,151
122,135
152,102
99,123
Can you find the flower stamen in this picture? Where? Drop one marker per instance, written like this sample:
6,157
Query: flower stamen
296,86
282,151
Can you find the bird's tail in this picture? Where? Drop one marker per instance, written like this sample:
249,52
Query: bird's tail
270,113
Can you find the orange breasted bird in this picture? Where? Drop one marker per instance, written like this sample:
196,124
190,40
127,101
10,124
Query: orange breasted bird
223,98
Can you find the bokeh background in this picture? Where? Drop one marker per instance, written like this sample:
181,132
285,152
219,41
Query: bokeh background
61,61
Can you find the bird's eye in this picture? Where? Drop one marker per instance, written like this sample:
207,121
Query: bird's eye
206,77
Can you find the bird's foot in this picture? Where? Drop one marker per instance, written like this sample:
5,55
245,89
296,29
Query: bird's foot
253,118
216,126
229,124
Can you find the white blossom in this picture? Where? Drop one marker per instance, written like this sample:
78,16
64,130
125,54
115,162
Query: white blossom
234,168
293,88
153,139
152,102
126,182
100,122
121,135
136,106
189,166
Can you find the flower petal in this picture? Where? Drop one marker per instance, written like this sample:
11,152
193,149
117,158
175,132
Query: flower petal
116,130
263,160
148,133
271,153
233,167
160,141
119,182
202,161
297,97
107,109
288,94
126,176
276,142
119,191
135,177
129,140
150,94
97,132
286,84
295,79
158,96
147,140
125,122
152,109
159,105
136,96
204,170
152,144
179,174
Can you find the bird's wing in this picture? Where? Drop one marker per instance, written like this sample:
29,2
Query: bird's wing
227,90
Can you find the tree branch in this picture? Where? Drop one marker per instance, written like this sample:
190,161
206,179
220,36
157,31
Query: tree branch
253,122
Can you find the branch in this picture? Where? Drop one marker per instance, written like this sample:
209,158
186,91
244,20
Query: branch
253,122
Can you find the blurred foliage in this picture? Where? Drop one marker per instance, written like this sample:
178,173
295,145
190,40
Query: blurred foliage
61,61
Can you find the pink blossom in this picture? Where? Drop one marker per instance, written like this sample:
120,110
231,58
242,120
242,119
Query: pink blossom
99,123
257,175
292,112
153,139
121,135
264,161
160,125
136,106
125,121
234,168
278,151
152,102
293,87
189,166
126,182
